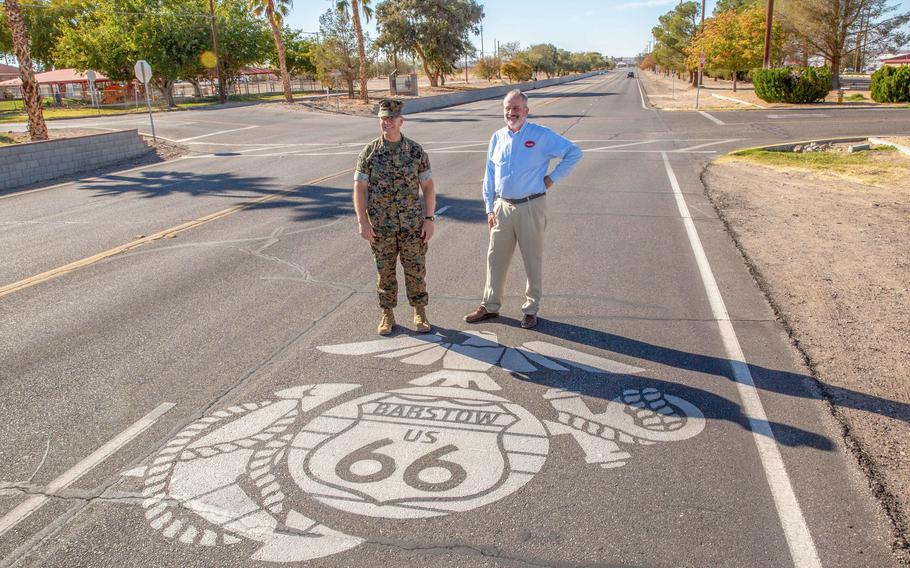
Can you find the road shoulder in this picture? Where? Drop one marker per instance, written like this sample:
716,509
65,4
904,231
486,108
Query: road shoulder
831,256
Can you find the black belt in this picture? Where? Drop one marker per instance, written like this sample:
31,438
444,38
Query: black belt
522,199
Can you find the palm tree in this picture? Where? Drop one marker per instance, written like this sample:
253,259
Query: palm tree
275,11
37,129
356,6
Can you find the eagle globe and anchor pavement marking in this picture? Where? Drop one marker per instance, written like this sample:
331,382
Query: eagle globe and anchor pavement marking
441,444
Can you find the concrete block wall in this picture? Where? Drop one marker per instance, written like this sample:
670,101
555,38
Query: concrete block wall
24,164
424,104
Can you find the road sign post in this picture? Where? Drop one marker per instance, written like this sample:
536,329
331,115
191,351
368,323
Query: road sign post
701,71
144,74
91,76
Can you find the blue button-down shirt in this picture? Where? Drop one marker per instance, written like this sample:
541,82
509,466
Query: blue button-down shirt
517,162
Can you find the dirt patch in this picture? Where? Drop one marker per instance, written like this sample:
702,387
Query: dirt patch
833,256
902,140
53,134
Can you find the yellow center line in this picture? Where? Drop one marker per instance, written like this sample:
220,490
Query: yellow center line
60,271
556,98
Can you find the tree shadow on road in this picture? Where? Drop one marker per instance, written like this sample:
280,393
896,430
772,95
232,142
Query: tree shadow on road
305,202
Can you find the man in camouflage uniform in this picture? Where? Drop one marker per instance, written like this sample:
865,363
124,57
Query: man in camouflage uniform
391,171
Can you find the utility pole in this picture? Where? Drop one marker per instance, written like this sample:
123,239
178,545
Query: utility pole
701,70
766,63
481,42
222,90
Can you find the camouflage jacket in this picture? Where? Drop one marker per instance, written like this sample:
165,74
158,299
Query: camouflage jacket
394,173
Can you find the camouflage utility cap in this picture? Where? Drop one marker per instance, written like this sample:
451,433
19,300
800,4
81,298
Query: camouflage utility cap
390,107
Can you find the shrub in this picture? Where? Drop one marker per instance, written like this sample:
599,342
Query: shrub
516,70
891,85
487,68
792,84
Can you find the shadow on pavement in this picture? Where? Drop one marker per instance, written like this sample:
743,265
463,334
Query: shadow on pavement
610,386
307,202
771,380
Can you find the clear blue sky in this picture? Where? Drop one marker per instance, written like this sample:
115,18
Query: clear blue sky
612,27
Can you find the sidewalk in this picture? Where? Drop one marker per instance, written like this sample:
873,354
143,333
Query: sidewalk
668,94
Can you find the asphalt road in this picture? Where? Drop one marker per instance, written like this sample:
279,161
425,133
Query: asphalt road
190,376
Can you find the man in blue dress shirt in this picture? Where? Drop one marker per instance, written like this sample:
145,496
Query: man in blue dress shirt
515,193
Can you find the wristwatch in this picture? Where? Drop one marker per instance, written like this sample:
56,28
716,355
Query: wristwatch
430,218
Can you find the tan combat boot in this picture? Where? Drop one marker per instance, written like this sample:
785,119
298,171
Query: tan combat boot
420,319
387,322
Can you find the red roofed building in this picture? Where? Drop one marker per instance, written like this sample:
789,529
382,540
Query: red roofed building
897,60
8,72
68,82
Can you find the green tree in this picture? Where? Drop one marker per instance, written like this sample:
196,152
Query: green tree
111,35
298,53
673,33
542,57
516,70
243,40
488,68
436,30
275,12
734,41
736,5
836,30
45,20
355,6
337,48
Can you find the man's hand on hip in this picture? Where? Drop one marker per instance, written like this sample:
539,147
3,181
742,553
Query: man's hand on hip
547,181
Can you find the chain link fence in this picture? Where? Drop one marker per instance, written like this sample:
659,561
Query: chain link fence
122,95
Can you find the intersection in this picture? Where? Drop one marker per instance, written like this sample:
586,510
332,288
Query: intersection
190,373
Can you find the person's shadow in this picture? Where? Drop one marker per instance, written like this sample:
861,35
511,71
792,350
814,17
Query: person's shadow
714,407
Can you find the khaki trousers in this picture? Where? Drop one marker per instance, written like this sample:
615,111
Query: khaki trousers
524,224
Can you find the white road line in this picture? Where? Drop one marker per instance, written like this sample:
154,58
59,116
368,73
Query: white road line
782,116
642,94
217,133
624,145
443,210
32,504
690,148
713,119
456,147
799,540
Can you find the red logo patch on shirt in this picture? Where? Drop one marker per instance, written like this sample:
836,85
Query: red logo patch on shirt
529,144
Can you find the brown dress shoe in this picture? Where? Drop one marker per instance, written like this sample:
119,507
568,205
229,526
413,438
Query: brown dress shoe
529,321
479,315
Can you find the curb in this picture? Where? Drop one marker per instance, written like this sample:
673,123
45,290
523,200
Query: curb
788,146
883,142
722,97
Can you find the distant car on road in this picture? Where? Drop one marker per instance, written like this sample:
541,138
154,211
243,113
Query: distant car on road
630,74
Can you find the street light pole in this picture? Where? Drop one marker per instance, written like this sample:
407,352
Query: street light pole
701,69
222,91
766,63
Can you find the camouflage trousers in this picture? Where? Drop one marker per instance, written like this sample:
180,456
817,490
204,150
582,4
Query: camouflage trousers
387,248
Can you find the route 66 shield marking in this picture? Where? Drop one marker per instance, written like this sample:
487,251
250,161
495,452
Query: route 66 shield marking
418,452
445,444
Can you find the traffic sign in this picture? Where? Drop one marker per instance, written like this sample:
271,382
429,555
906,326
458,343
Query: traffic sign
144,74
91,76
143,71
701,61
